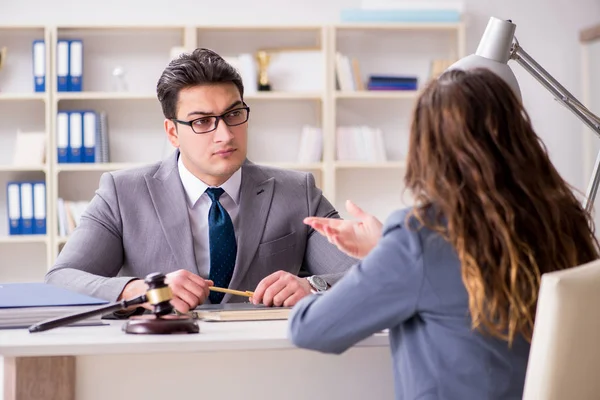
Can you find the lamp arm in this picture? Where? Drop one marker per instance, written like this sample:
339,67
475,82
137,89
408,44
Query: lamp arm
558,90
561,94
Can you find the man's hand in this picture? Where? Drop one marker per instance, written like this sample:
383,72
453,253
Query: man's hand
189,290
281,289
355,238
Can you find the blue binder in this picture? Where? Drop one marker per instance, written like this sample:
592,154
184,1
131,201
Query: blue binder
75,65
39,208
39,65
75,149
62,65
38,294
26,208
62,136
13,203
90,123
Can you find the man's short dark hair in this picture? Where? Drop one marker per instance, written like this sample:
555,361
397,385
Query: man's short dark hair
201,67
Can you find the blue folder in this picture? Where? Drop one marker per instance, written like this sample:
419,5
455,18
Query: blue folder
39,294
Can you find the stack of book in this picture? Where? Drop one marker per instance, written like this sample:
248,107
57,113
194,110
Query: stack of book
25,304
240,312
360,143
383,82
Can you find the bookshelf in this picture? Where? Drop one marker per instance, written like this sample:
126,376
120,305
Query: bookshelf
23,257
382,49
306,94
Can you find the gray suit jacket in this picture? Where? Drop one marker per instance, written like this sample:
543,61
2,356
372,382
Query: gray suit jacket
138,223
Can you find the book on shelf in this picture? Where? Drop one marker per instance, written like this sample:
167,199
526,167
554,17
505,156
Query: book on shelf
69,65
392,82
349,77
347,73
82,136
69,215
28,303
26,207
240,312
246,66
360,143
311,145
30,149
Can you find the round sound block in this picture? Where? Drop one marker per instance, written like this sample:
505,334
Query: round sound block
168,324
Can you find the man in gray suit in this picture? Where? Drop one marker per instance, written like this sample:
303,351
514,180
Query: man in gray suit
206,216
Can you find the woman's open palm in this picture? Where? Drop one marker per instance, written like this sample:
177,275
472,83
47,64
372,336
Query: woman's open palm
355,238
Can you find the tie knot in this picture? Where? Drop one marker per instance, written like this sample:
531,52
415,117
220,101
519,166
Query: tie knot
214,193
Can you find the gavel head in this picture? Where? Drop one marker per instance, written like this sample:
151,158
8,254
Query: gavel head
159,294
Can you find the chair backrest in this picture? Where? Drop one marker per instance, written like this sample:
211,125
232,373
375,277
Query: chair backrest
564,360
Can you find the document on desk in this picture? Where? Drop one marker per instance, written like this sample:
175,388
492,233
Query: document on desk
24,304
240,312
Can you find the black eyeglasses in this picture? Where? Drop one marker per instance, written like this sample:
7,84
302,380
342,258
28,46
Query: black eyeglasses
209,123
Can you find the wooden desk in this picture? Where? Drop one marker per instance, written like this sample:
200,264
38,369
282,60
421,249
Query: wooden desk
226,360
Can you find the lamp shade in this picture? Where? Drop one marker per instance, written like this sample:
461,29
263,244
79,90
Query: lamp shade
493,52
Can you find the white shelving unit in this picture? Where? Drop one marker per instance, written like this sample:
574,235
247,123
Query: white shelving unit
134,115
24,257
135,119
383,49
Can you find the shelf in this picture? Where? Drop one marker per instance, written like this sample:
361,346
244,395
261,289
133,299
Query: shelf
83,167
266,27
22,96
283,96
24,239
379,94
104,96
399,26
20,168
370,165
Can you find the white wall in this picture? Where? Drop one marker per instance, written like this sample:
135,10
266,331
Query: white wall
547,29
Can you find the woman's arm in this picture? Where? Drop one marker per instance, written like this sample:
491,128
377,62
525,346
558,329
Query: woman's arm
380,292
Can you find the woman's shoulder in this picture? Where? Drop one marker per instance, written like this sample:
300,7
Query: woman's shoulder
401,218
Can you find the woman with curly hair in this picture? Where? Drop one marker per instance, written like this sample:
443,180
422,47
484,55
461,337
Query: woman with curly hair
455,278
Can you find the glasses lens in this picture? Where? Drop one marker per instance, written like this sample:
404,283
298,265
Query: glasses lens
204,124
236,117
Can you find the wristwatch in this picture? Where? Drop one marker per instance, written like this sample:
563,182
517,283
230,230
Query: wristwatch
318,284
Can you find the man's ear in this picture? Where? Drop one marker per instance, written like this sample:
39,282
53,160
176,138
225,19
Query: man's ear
171,131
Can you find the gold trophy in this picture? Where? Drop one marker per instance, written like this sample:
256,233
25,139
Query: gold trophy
263,58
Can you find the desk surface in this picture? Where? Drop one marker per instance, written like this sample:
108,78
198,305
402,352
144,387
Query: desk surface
110,339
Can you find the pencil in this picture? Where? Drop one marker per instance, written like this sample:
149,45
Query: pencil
247,293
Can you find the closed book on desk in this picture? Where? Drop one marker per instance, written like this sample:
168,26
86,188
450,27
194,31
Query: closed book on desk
240,312
24,304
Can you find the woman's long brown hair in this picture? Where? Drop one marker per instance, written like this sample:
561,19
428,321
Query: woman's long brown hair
482,178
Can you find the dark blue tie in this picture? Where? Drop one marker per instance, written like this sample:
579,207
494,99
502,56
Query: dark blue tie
223,247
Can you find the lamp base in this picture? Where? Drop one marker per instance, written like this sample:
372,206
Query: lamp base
165,325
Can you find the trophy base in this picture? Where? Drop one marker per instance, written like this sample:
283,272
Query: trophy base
166,325
264,88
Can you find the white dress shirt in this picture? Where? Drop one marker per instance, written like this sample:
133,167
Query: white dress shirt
199,203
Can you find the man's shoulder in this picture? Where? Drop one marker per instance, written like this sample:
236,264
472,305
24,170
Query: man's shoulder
135,174
281,175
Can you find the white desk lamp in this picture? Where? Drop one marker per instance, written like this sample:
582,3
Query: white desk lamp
498,45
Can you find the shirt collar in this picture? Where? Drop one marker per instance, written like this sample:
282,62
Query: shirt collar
194,187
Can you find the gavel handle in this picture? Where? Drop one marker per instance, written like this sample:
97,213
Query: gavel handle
72,318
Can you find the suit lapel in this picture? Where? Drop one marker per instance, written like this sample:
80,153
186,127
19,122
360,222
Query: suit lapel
255,201
168,196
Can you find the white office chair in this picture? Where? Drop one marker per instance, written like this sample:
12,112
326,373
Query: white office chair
564,361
